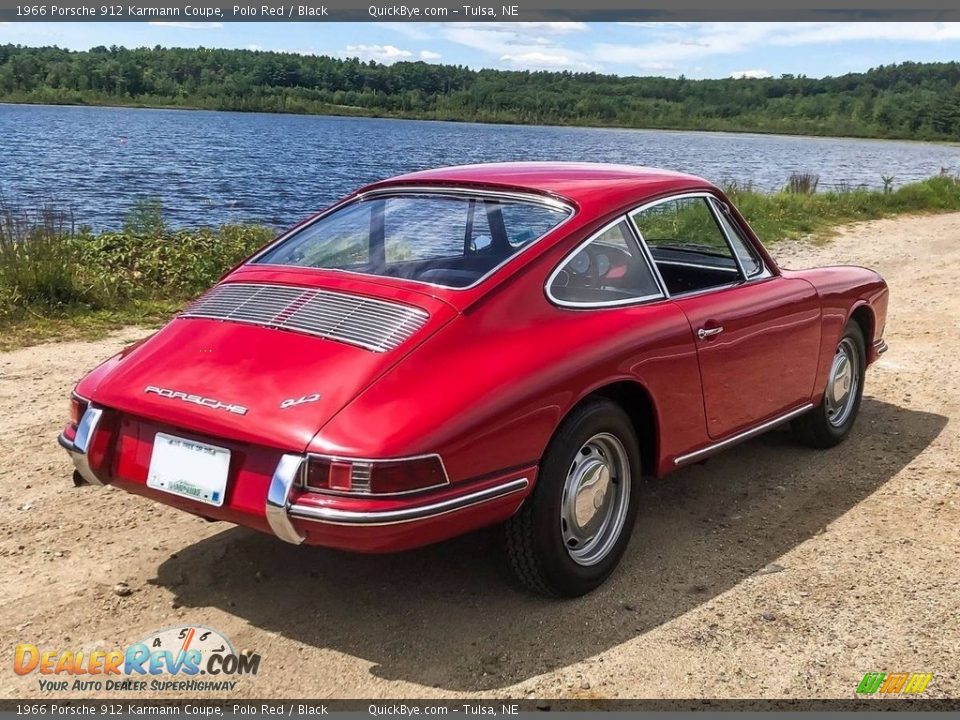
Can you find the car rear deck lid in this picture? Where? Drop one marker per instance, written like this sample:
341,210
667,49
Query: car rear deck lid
374,324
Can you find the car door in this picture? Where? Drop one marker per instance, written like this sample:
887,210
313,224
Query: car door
757,334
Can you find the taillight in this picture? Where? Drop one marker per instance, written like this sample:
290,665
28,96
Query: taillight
78,406
378,477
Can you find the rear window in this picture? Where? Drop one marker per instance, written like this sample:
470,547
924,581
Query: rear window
448,240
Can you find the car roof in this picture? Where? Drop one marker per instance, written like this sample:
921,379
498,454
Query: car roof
578,182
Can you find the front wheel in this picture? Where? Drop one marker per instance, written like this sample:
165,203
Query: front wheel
829,423
571,532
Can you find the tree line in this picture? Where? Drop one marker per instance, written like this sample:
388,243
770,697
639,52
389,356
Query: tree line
907,100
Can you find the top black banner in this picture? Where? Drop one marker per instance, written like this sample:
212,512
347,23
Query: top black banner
455,11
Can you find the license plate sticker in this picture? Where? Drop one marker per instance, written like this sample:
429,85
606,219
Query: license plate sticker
189,469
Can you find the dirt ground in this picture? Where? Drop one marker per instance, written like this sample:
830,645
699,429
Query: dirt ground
770,571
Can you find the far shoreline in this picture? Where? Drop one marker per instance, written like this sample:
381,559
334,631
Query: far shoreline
382,116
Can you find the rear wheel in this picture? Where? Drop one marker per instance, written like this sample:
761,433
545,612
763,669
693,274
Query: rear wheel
829,423
570,534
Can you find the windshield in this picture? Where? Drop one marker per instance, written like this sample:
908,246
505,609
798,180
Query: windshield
447,240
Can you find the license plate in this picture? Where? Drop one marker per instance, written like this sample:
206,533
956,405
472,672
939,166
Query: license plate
189,469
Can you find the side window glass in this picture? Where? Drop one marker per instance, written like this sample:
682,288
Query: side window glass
749,259
527,222
687,244
610,269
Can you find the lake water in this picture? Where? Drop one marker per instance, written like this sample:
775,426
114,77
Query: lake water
215,167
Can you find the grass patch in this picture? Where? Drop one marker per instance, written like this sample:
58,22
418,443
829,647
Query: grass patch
799,212
80,323
58,281
61,282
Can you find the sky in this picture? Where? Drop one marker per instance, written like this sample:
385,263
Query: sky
695,50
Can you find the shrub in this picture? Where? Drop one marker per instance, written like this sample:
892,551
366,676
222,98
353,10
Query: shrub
38,262
803,183
49,268
174,264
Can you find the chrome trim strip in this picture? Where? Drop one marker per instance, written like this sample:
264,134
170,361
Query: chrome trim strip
721,208
460,191
880,347
421,512
79,449
604,303
741,436
675,263
468,191
374,461
715,213
278,499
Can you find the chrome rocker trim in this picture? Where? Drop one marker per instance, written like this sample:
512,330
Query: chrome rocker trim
741,436
79,448
280,510
880,347
420,512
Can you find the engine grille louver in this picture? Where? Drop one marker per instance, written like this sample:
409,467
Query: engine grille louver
376,325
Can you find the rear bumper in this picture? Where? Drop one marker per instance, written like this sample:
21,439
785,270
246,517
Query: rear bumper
350,523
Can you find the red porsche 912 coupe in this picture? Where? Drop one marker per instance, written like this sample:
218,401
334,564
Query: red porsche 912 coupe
513,344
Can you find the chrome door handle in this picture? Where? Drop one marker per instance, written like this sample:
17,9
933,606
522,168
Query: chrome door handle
703,333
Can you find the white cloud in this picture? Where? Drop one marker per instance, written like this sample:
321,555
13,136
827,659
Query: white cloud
658,48
381,53
521,45
749,74
537,59
846,32
532,45
414,30
387,54
675,44
188,25
552,28
655,25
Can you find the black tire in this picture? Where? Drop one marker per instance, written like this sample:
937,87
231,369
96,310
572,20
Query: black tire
534,538
822,427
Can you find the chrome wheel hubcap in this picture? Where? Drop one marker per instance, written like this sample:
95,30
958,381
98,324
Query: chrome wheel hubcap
843,383
596,494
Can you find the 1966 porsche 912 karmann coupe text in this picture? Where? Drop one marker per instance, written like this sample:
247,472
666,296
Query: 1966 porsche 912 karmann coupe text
512,344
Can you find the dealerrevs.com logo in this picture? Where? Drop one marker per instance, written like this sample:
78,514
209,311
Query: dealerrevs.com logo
181,659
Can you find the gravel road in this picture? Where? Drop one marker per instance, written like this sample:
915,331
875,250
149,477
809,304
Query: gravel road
770,571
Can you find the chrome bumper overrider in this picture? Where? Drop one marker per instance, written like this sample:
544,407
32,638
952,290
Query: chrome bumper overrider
79,448
280,510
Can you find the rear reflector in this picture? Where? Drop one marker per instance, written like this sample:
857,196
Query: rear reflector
341,476
78,406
